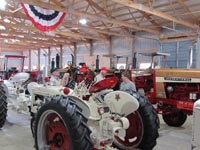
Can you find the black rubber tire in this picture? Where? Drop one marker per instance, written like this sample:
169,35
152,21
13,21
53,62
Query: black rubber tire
3,107
32,124
175,119
150,123
72,119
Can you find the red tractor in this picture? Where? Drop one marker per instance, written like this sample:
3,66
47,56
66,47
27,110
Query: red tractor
7,70
11,68
173,91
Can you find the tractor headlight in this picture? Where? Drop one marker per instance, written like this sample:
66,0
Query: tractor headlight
170,89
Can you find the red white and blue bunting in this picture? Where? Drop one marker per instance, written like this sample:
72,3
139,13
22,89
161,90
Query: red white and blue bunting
43,19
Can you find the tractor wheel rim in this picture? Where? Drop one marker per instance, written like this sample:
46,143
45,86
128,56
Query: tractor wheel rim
134,133
173,117
52,133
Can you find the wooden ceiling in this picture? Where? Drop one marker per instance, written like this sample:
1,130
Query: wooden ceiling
105,18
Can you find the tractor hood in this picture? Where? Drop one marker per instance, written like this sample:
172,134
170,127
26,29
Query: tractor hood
49,90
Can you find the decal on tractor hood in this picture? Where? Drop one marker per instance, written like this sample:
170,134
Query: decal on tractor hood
178,79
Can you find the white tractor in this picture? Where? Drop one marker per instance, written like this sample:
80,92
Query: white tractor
13,86
14,92
91,118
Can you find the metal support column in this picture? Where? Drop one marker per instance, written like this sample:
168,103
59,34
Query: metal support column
91,47
61,56
75,53
126,62
49,56
29,61
38,59
134,59
110,51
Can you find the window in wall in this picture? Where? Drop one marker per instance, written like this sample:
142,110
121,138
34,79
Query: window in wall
25,67
144,65
121,66
34,67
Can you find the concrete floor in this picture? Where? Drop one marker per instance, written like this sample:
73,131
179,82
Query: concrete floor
16,134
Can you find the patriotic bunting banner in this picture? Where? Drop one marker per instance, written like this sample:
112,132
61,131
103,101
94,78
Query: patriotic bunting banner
43,19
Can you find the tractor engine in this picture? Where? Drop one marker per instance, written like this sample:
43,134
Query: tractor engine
187,91
174,92
16,91
177,84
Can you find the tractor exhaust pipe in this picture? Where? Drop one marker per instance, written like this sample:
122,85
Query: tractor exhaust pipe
190,58
190,62
45,69
97,63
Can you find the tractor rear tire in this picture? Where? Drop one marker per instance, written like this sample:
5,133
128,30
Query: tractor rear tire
60,124
3,107
143,130
32,125
175,119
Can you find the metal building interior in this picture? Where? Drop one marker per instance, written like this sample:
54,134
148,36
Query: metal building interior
116,32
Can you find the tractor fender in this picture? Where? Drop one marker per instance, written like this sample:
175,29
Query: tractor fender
82,104
20,77
121,102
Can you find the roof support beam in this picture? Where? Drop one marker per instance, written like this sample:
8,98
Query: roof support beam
178,39
187,10
90,16
145,9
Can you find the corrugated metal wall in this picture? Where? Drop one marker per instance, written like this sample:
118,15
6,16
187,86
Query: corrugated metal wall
144,44
120,46
179,54
197,50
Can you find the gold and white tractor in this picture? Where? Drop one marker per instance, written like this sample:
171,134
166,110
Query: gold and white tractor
91,117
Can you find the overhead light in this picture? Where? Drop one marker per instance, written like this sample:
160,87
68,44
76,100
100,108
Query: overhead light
5,41
83,21
6,20
2,4
2,27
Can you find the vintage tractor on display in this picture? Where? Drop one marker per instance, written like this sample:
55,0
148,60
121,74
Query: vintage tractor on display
65,119
174,91
13,87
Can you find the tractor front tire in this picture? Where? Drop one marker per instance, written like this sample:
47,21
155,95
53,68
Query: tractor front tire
143,130
3,107
175,119
60,124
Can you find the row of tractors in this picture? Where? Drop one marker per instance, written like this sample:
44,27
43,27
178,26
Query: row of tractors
94,116
89,116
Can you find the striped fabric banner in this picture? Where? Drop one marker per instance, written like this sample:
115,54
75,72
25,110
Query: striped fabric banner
43,19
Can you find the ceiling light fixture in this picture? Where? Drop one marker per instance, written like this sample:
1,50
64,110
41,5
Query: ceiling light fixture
2,27
83,21
2,4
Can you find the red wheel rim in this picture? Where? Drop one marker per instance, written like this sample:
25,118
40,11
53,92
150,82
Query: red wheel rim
172,117
134,133
57,135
